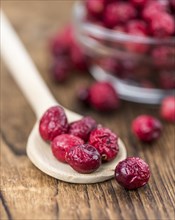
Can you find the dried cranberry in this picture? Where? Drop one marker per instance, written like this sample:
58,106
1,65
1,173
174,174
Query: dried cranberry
118,12
168,109
139,3
152,8
95,7
61,69
62,143
106,142
136,26
137,47
162,25
60,44
53,123
110,64
132,173
146,128
82,127
78,58
163,57
103,97
83,158
167,79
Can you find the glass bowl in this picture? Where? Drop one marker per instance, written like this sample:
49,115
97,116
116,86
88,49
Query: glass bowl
141,69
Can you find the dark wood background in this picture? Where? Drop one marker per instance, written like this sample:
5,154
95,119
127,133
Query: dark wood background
27,193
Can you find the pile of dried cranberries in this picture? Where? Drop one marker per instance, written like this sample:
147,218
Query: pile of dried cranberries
84,145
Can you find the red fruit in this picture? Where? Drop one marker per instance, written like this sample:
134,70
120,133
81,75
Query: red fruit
60,44
146,128
106,142
61,69
167,79
152,8
119,12
103,97
168,109
83,127
162,25
137,47
62,143
95,7
163,57
83,158
78,58
53,123
139,3
137,26
109,64
132,173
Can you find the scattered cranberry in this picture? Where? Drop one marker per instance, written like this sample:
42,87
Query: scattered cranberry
78,58
132,173
61,69
83,158
168,109
60,44
162,25
62,143
83,127
118,12
105,141
103,97
146,128
53,123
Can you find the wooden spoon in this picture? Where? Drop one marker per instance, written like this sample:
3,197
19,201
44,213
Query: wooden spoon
27,77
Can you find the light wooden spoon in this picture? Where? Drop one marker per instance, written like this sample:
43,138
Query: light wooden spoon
27,77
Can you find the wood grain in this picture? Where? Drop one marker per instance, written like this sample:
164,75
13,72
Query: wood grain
26,193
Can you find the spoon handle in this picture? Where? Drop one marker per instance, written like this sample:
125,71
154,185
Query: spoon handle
23,69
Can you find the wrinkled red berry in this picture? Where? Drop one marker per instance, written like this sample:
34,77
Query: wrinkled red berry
162,25
136,26
167,79
61,69
83,158
152,8
95,7
139,3
53,123
168,109
62,143
103,97
146,128
106,142
163,57
60,44
82,127
132,173
78,58
119,12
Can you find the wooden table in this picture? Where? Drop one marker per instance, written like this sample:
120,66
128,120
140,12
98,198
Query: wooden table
26,192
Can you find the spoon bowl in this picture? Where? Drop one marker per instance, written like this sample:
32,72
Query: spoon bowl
29,80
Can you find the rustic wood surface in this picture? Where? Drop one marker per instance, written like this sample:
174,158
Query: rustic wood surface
27,193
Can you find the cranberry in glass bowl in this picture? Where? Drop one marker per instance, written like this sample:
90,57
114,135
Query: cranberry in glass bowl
136,53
